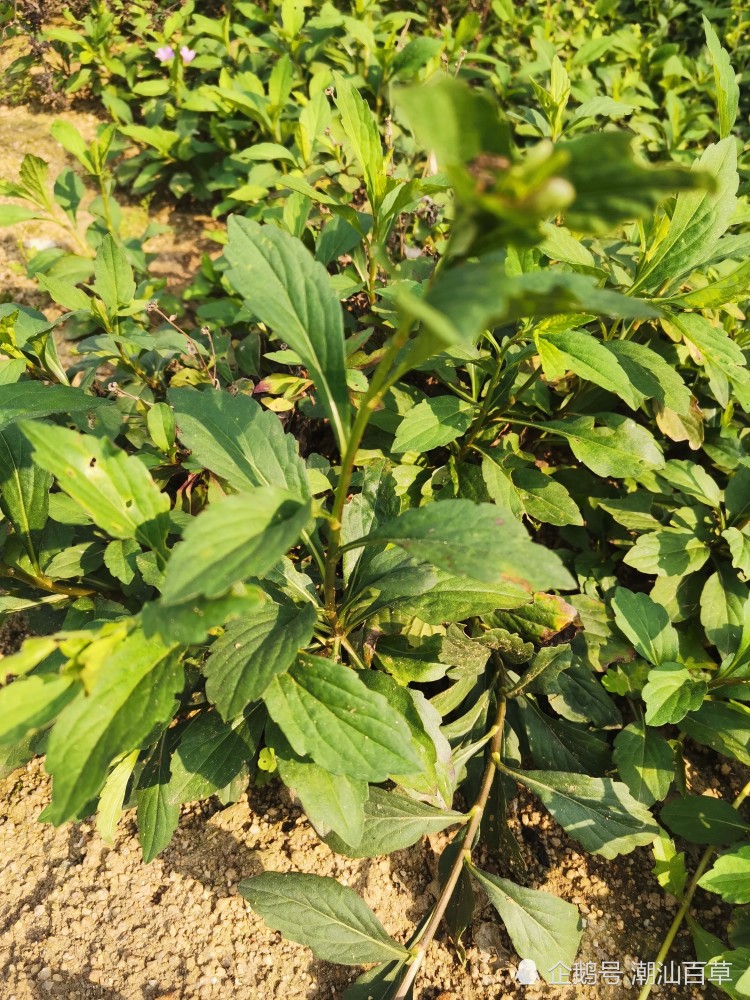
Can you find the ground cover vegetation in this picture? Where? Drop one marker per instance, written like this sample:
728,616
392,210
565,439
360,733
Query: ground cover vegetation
434,482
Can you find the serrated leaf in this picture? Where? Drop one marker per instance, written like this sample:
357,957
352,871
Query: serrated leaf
433,423
580,353
238,537
322,914
29,703
668,552
671,692
618,447
727,89
702,819
289,291
645,761
646,624
699,219
475,540
113,275
669,869
24,490
157,815
599,813
650,375
115,489
362,132
252,651
238,440
208,756
332,801
724,726
136,692
112,797
542,927
393,822
529,491
35,399
327,713
730,876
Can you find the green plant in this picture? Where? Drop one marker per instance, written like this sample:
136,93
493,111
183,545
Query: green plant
549,393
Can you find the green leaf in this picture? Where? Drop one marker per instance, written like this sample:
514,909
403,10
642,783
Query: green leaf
737,494
208,756
158,816
24,490
433,423
580,353
362,132
134,693
322,914
10,214
112,798
713,348
252,651
722,603
724,726
699,219
391,823
645,761
65,293
650,375
739,546
646,624
730,876
238,440
480,541
671,692
30,703
692,480
289,291
668,552
113,275
457,123
702,819
611,186
620,448
115,489
331,801
557,744
327,713
669,869
447,598
71,139
540,621
35,399
529,491
727,89
542,927
235,538
599,813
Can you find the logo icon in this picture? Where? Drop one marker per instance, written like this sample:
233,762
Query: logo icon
526,973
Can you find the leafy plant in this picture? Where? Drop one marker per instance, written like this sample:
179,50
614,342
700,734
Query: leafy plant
353,581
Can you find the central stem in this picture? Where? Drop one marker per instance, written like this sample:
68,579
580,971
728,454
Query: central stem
477,812
378,387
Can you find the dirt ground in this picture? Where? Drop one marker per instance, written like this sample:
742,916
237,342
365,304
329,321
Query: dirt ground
84,921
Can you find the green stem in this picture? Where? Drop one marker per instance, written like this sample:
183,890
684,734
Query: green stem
477,812
379,385
687,900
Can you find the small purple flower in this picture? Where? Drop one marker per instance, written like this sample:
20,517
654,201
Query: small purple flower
187,54
165,54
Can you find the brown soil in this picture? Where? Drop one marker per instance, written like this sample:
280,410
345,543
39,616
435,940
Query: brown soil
81,920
